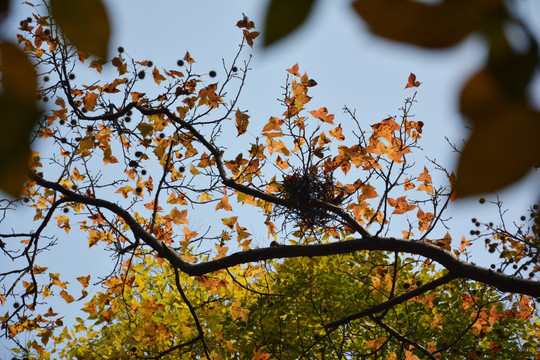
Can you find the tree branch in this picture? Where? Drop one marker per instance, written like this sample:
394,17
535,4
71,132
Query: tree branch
393,301
456,267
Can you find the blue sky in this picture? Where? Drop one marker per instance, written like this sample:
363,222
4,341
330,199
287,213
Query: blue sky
351,66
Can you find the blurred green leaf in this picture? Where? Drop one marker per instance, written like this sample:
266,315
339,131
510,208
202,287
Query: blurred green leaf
512,69
19,115
283,17
441,25
85,23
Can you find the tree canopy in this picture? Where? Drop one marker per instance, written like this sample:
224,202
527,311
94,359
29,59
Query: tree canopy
161,168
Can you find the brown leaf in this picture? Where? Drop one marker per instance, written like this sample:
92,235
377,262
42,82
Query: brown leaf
505,143
441,25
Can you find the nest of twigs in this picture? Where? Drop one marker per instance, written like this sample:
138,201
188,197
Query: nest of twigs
301,188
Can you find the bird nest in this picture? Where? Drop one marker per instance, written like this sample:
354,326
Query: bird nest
301,188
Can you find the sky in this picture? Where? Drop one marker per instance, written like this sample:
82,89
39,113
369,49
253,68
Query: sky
352,68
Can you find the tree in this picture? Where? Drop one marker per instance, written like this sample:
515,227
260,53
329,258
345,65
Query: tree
361,262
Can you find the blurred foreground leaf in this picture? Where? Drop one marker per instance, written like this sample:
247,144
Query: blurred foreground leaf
283,17
19,115
85,23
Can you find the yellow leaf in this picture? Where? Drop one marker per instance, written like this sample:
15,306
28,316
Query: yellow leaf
193,170
229,222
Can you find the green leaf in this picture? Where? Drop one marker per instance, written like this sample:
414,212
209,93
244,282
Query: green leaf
441,25
145,129
283,17
85,23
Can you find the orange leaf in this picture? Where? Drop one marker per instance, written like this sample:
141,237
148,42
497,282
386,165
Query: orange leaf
322,114
98,65
412,82
410,356
294,70
188,234
401,205
84,280
437,321
224,204
337,133
464,243
68,298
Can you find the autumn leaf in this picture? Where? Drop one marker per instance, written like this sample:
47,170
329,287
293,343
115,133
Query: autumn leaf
337,133
260,354
97,64
178,217
84,280
412,82
68,298
426,182
188,58
158,78
445,242
250,36
229,222
322,114
401,205
242,122
283,164
486,168
224,204
294,70
464,243
38,269
309,83
410,356
90,101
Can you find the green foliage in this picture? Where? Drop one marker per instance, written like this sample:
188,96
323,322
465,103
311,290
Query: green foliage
287,311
